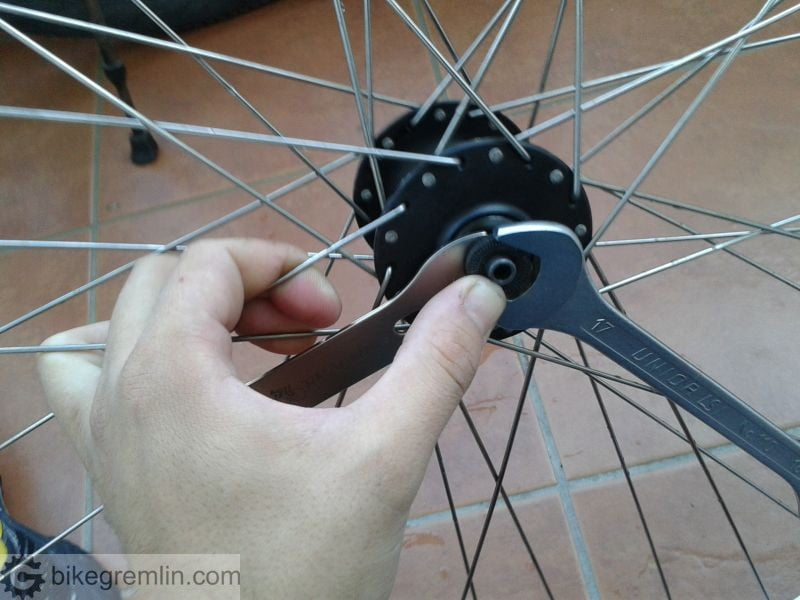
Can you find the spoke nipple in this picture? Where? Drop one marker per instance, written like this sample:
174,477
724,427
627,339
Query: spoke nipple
387,143
428,179
439,114
496,155
580,230
366,195
556,176
391,236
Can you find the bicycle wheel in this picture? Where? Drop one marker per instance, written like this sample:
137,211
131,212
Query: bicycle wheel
601,494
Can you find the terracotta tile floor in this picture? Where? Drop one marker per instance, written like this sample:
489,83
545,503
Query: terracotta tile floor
738,155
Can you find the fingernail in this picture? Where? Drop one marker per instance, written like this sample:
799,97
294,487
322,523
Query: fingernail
484,302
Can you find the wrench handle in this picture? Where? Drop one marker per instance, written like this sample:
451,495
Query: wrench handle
631,347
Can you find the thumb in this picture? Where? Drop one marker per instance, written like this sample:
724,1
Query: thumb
437,360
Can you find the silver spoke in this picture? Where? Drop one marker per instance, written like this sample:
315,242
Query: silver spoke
718,495
690,257
656,73
232,216
624,466
606,80
548,61
668,239
23,432
578,100
362,116
493,118
447,79
217,56
311,260
368,68
569,364
453,514
246,104
128,247
646,109
734,253
150,125
614,189
461,109
677,128
506,499
40,114
502,471
85,519
437,24
698,456
656,419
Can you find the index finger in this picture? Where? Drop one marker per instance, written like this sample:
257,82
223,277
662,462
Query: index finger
204,297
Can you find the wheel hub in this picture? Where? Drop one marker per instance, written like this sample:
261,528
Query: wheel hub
492,186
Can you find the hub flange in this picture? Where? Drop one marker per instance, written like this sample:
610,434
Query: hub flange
491,187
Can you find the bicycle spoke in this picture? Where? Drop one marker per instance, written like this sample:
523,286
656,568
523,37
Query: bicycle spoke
501,472
646,109
690,257
656,73
693,208
578,100
128,247
381,291
675,131
690,438
437,24
666,426
452,506
624,466
720,500
210,226
493,118
15,112
24,561
506,498
150,125
607,80
368,68
164,44
461,109
358,233
362,117
22,433
216,76
447,79
668,239
734,253
570,365
548,61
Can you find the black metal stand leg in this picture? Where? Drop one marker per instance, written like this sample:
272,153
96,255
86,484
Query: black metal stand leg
144,148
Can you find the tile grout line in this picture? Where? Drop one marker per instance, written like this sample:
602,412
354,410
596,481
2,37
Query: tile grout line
584,482
564,492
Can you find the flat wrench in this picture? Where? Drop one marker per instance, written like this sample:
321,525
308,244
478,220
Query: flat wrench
561,298
366,345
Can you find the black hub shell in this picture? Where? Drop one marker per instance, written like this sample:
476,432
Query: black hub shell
422,138
492,186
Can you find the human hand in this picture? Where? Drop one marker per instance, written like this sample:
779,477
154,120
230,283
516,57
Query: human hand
188,459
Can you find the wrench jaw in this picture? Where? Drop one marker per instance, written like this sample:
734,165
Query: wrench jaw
560,268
